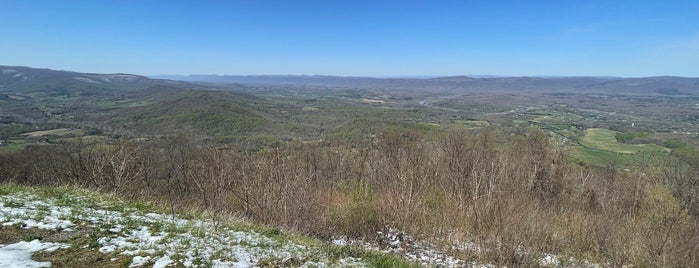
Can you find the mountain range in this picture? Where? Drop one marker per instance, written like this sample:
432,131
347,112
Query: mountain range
26,79
662,85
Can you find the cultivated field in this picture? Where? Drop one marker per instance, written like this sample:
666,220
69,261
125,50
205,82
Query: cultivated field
605,140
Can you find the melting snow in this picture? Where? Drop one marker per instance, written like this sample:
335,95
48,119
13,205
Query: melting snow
161,240
139,261
549,261
151,238
162,262
20,254
398,242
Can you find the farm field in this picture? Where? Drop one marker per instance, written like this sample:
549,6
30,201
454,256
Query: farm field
603,158
605,140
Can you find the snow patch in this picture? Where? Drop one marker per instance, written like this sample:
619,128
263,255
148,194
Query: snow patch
139,261
398,242
152,238
340,242
162,262
20,254
549,261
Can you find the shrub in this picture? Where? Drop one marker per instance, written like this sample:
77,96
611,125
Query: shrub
358,216
663,223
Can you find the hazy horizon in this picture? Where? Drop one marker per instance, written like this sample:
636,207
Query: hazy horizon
165,76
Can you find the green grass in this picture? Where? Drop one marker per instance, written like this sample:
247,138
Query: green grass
309,109
471,123
600,148
605,158
12,148
605,140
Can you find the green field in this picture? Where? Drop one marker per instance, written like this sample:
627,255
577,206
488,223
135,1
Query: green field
605,158
471,123
605,140
599,147
11,148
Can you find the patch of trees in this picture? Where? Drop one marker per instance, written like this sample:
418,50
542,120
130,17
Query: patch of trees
630,137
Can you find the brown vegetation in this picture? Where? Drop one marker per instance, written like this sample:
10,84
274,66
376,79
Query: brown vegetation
515,201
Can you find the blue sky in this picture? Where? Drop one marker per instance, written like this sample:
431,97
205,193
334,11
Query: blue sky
357,38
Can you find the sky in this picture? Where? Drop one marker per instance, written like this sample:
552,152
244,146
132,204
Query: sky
354,38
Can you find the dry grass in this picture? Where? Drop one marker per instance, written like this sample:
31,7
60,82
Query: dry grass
516,201
53,132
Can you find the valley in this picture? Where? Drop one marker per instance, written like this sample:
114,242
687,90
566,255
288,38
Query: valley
511,171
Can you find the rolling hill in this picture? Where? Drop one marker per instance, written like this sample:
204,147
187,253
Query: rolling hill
126,104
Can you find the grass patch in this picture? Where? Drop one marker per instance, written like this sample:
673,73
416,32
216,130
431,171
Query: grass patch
55,132
604,158
83,257
309,109
471,123
605,140
12,148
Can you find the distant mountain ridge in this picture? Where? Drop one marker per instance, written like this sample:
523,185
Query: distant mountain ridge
20,79
602,85
126,103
